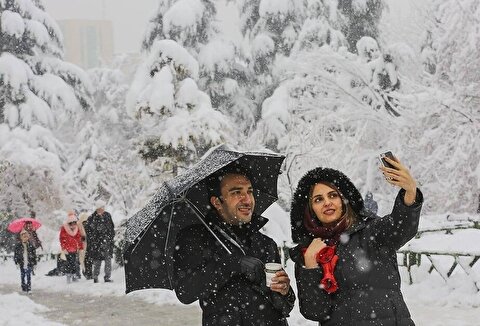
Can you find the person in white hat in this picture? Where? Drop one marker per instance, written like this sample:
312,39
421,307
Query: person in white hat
100,232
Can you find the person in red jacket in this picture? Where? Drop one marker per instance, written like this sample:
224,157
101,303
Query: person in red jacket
71,243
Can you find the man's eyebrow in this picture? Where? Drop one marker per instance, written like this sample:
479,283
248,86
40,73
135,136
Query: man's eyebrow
239,188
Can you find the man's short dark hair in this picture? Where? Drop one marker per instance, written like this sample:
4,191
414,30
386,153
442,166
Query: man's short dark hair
214,180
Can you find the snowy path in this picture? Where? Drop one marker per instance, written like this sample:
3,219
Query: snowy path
77,309
430,301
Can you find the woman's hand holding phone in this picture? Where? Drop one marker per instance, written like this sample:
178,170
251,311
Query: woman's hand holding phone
397,174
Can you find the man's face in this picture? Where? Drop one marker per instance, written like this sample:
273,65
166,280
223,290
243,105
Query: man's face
236,203
100,210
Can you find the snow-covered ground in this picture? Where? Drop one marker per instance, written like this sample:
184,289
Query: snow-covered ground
431,301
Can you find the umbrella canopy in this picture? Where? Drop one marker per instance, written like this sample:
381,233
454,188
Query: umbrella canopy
182,201
17,225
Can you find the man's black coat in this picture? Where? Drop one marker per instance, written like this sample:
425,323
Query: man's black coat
204,271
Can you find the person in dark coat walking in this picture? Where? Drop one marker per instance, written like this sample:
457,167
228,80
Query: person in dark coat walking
345,261
100,233
26,258
231,288
33,237
85,264
370,203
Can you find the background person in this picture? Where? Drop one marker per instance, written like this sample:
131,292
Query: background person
370,203
71,242
345,262
25,257
100,233
231,288
33,237
82,218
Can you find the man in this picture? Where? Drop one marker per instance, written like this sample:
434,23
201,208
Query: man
100,232
231,287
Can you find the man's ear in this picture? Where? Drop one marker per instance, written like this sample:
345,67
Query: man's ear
215,201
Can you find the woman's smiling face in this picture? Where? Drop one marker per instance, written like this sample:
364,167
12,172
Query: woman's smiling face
326,203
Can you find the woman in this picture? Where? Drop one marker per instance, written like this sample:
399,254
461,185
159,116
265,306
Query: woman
345,261
70,242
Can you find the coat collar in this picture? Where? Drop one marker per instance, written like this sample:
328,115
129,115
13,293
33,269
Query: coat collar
296,252
254,225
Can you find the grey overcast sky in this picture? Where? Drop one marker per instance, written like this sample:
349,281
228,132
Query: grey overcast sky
129,17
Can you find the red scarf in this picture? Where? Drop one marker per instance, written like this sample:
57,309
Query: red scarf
326,257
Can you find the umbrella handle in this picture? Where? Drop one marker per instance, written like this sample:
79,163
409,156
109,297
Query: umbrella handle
200,216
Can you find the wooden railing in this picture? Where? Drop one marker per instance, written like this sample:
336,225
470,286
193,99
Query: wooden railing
416,253
414,258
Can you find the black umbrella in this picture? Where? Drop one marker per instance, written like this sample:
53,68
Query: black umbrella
150,235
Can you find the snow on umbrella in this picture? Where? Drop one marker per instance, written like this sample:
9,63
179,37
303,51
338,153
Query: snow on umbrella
150,234
17,225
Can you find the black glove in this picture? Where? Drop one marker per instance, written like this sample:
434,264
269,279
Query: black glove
253,268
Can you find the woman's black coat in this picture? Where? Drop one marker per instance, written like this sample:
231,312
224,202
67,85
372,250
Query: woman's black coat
204,271
366,272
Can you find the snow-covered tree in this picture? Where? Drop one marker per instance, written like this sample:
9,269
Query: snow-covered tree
103,153
35,80
111,86
319,83
222,71
360,18
450,55
330,110
83,182
154,29
190,23
39,94
320,27
452,46
276,30
318,119
270,29
226,79
30,178
179,123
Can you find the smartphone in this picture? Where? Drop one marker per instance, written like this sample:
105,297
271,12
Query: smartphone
384,162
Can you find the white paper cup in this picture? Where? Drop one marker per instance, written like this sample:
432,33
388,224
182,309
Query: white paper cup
270,270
